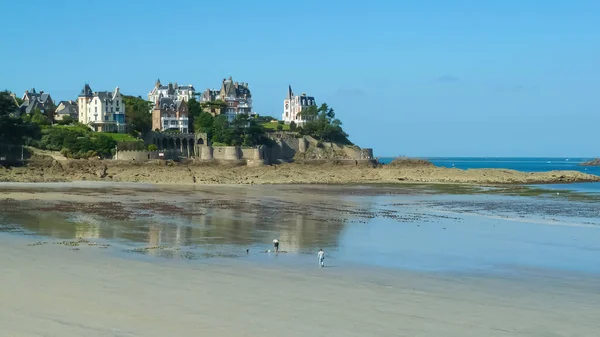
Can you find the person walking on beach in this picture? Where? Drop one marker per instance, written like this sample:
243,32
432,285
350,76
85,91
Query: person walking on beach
276,245
321,256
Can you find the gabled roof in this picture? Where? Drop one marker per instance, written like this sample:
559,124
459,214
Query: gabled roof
104,95
67,108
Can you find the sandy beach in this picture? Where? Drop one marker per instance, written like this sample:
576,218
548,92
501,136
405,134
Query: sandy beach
57,285
51,291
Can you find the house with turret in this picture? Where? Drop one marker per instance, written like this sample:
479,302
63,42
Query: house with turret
293,106
236,98
102,111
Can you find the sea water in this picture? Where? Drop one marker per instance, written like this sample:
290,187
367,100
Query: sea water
521,164
417,231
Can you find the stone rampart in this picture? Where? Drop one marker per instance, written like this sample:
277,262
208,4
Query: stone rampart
206,152
366,154
226,153
252,153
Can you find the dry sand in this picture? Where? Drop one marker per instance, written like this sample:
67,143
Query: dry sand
50,291
161,172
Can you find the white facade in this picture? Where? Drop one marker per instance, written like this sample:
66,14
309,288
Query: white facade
172,91
102,111
293,105
170,123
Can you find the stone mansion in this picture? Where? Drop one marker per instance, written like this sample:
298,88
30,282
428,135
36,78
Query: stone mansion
293,105
169,111
236,96
102,111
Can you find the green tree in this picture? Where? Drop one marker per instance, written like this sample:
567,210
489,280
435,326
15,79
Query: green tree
204,123
194,110
221,132
323,125
37,117
152,147
66,120
309,113
214,107
292,126
14,130
138,115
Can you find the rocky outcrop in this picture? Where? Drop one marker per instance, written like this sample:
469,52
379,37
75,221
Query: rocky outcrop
595,162
328,172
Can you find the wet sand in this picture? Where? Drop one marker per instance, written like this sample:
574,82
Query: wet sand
57,285
49,291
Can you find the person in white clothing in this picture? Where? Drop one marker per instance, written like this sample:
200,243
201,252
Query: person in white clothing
276,245
321,256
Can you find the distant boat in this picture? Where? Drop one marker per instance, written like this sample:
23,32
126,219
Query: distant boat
548,162
567,159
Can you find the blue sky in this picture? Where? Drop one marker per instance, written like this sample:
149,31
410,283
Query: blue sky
418,78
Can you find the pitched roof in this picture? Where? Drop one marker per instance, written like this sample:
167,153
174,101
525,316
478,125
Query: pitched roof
104,95
167,103
67,108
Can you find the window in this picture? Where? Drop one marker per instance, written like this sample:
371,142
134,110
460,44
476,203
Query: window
117,104
106,118
117,109
96,109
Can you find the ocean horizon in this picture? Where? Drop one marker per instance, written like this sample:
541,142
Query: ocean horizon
523,164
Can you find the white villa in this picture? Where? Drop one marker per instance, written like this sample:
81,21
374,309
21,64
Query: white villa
102,111
293,105
172,91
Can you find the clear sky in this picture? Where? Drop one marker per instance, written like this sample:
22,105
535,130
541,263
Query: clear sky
418,78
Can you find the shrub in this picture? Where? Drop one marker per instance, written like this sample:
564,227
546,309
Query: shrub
152,147
279,127
293,126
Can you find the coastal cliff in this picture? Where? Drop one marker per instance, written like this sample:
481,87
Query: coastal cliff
45,169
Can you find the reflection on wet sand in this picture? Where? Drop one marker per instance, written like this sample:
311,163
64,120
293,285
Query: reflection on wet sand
177,224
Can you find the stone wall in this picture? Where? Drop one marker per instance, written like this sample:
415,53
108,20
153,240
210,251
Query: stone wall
366,154
288,147
253,153
146,155
285,146
226,153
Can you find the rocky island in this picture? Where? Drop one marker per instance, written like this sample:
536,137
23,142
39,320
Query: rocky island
594,162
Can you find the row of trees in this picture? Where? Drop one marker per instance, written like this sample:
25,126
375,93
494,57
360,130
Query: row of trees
323,125
76,142
13,129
